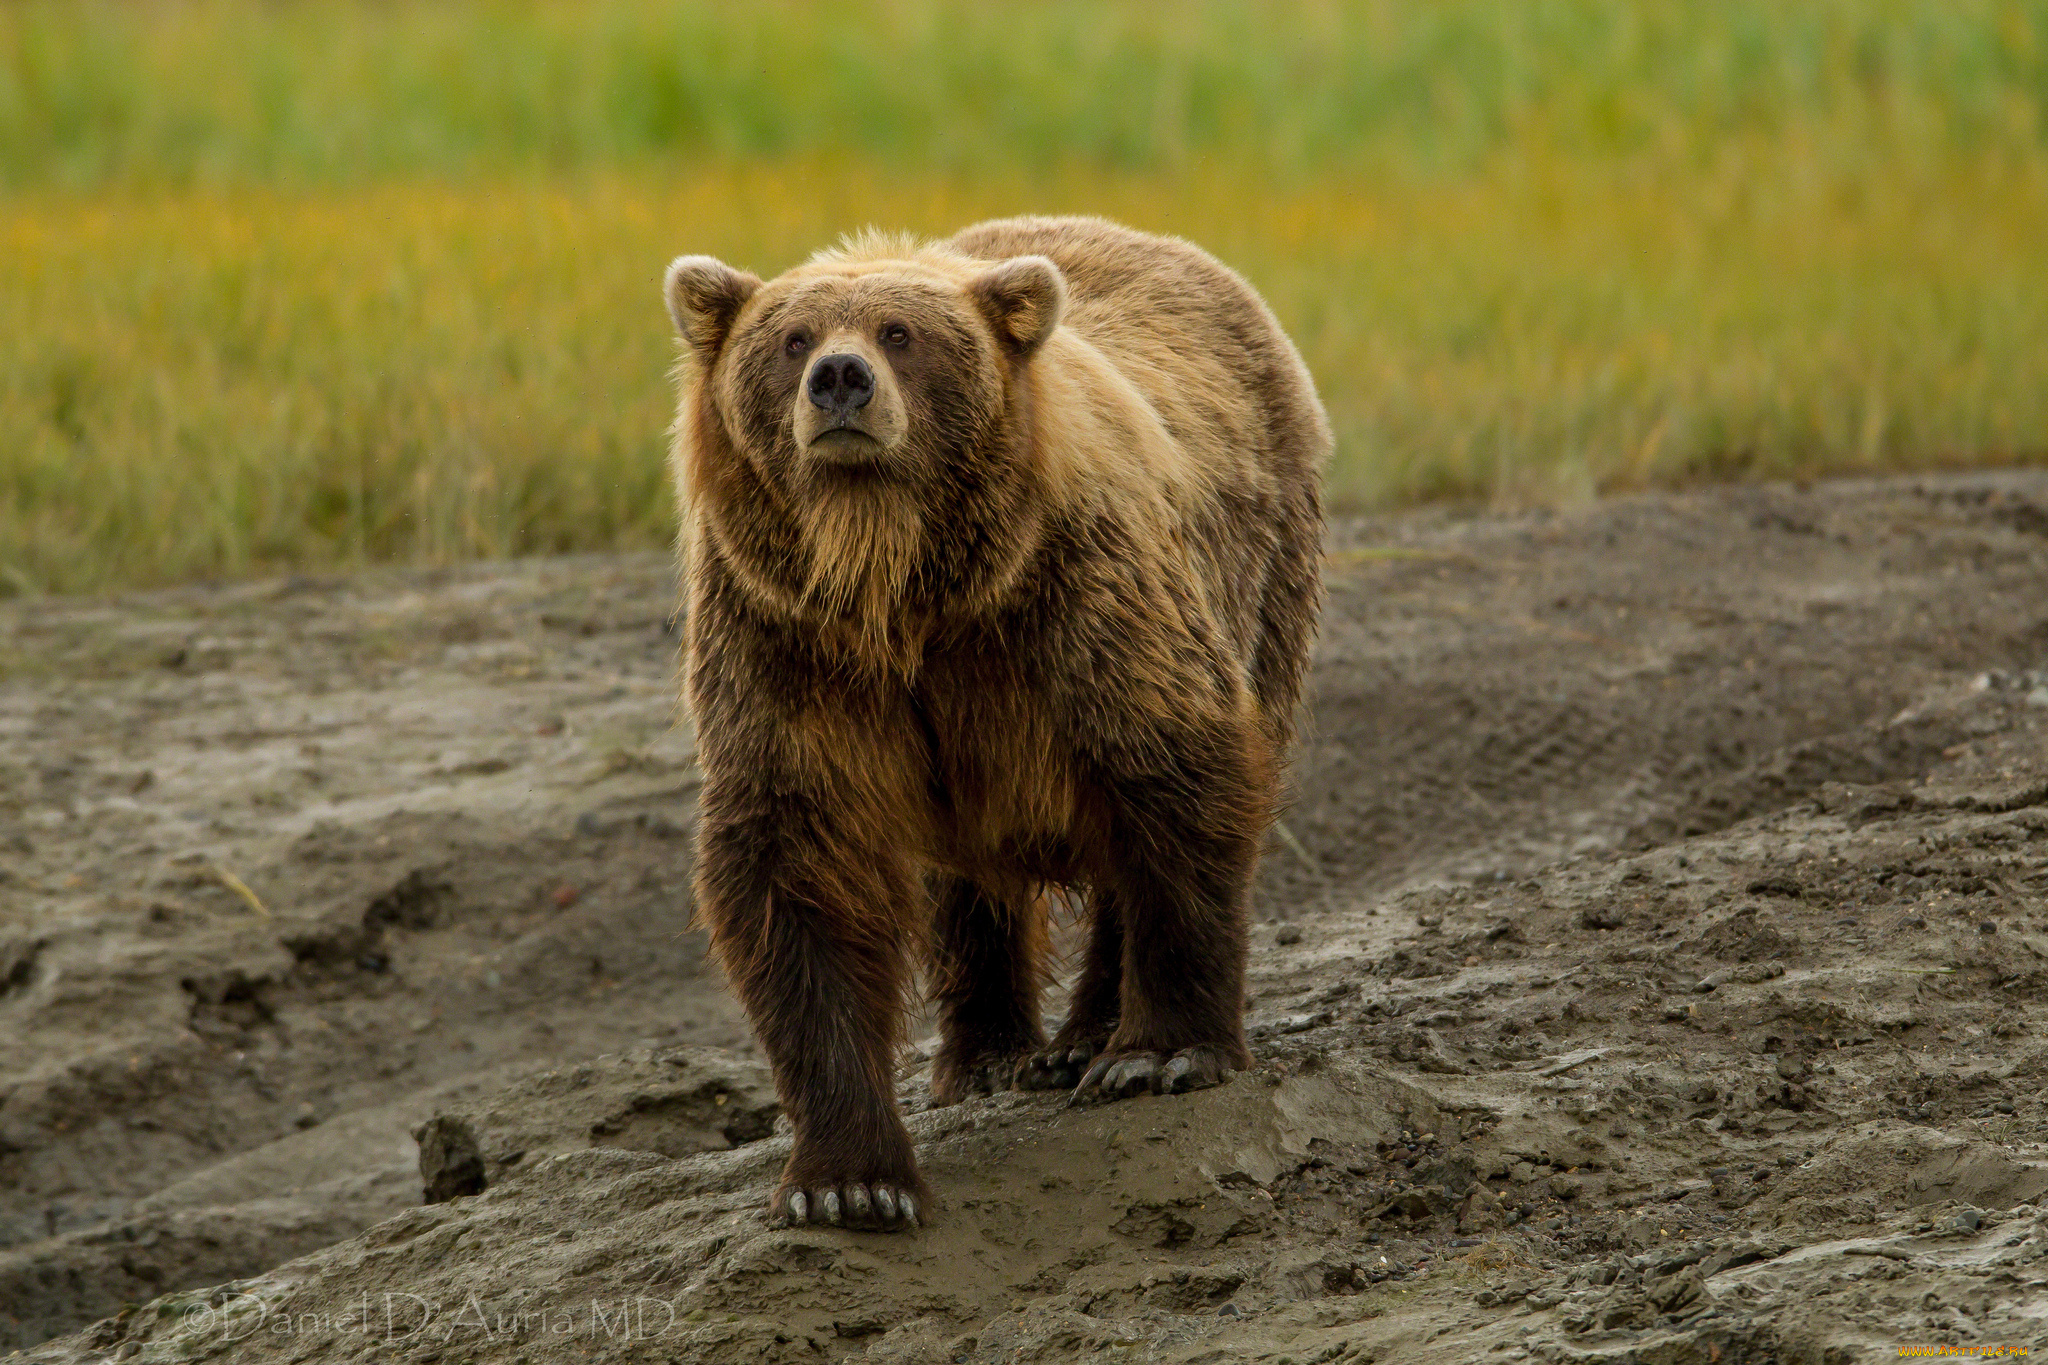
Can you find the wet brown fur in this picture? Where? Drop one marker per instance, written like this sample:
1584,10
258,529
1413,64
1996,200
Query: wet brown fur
1054,637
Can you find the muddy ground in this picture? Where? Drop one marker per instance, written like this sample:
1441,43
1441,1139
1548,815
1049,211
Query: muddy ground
1652,967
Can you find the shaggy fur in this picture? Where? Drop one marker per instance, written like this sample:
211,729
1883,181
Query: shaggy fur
1034,618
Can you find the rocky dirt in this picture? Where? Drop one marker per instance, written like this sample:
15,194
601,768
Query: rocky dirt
1651,967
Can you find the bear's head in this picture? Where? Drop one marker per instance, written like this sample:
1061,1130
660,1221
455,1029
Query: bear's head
850,431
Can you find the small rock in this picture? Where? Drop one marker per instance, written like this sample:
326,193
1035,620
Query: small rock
1228,1310
1410,1203
565,896
1967,1220
1641,1231
589,825
1680,1294
1482,1211
1287,934
451,1164
2038,697
1602,917
1989,926
1565,1186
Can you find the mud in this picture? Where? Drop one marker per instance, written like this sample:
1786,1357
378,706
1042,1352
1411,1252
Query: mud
1651,967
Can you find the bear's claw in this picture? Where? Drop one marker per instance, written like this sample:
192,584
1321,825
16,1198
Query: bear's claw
1056,1068
1121,1075
864,1206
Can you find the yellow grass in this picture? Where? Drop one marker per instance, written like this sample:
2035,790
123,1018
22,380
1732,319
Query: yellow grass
459,354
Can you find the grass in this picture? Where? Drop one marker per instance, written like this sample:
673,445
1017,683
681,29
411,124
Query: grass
323,284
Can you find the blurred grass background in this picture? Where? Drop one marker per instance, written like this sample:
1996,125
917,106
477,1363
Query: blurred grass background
322,282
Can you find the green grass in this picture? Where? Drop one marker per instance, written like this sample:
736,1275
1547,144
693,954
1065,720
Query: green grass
319,283
180,92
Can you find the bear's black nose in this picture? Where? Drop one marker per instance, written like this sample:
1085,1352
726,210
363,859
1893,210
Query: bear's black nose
841,383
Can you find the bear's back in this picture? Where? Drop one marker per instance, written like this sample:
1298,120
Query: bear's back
1228,449
1188,333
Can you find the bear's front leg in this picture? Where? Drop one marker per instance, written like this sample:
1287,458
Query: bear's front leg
1187,813
812,936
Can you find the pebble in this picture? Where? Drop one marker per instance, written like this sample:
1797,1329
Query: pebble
1287,934
1967,1220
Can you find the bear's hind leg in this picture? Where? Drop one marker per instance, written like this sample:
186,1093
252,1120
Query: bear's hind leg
990,955
1184,841
1091,1010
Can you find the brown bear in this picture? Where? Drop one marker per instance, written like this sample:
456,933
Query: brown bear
1002,566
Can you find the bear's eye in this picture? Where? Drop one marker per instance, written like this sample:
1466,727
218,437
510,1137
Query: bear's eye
797,343
896,334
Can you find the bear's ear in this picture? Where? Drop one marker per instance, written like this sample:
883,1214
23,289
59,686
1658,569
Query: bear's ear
1022,299
704,295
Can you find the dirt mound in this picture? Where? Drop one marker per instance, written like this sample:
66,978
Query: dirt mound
1650,968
